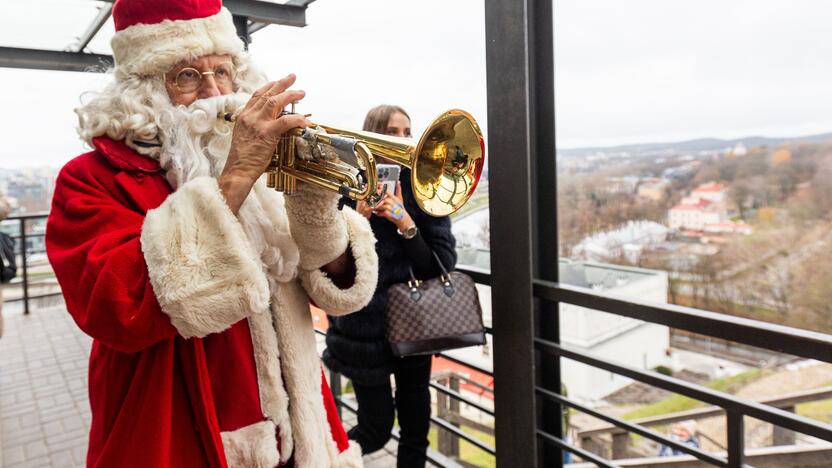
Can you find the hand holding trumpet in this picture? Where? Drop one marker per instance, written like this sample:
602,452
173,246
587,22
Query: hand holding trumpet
257,130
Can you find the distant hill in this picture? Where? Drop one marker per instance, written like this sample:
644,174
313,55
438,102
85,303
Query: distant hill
690,146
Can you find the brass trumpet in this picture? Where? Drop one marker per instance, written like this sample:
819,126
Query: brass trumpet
446,162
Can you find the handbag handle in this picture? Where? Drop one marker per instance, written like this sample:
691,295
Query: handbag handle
445,277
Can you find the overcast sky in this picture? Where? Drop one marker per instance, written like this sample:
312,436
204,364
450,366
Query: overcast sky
627,71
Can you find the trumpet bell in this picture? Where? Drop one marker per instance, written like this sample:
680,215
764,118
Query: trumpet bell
447,163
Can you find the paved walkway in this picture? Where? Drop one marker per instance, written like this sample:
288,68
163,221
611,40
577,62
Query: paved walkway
44,411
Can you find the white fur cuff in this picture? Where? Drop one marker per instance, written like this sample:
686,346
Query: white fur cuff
253,446
349,458
326,294
317,226
147,49
202,269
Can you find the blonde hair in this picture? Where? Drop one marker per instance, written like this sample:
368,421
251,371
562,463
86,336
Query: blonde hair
378,117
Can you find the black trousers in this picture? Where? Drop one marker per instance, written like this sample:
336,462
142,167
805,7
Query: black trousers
377,408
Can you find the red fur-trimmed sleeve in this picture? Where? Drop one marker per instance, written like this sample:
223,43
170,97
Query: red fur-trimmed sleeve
93,244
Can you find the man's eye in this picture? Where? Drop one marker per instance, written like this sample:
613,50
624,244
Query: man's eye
188,74
225,72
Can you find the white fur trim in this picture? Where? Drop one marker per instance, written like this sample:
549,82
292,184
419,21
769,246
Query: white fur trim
251,446
349,458
147,49
316,225
302,376
326,294
201,266
274,402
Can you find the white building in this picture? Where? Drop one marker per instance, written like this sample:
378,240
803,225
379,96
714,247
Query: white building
713,192
628,240
619,339
704,206
694,216
739,150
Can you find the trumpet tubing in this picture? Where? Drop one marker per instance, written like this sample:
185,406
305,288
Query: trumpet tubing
445,163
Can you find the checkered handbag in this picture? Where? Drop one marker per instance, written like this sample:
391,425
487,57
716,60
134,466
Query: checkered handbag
426,317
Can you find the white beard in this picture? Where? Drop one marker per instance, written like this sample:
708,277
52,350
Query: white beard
197,145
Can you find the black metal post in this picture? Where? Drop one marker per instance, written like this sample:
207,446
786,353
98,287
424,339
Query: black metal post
510,191
241,24
540,40
736,439
24,265
335,386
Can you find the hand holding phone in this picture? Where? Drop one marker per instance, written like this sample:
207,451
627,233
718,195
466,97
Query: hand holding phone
388,176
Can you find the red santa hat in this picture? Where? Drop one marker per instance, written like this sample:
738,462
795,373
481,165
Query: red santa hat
153,35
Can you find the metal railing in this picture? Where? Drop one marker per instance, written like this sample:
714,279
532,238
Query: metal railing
25,265
773,337
769,336
449,427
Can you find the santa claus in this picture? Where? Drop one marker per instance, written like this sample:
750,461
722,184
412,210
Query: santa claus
192,277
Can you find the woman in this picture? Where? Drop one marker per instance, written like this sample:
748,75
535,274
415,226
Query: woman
356,346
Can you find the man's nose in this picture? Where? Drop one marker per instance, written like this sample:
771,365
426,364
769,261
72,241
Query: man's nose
209,87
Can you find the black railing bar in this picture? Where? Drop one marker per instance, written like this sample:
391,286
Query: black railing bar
18,236
463,435
40,280
577,451
479,275
37,263
41,214
643,431
460,397
775,416
466,364
394,433
17,281
39,296
766,335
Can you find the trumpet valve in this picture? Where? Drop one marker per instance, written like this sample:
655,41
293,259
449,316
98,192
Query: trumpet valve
289,184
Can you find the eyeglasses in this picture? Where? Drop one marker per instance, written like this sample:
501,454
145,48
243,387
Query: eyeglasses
189,79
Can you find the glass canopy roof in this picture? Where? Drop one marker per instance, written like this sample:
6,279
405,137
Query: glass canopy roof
71,26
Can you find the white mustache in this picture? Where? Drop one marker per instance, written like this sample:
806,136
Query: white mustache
201,115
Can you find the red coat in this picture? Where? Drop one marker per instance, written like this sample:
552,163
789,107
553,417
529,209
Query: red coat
157,399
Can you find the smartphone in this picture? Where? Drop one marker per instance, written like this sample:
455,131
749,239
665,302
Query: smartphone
388,175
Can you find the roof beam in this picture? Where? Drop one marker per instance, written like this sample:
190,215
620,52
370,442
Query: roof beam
102,17
290,14
33,59
256,11
265,12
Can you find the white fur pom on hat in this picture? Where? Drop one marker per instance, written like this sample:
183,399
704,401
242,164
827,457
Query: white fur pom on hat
153,35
